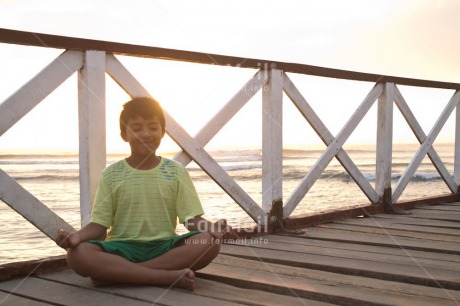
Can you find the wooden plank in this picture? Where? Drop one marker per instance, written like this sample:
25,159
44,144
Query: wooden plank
63,42
91,123
384,224
418,221
415,217
420,135
430,277
160,295
382,240
436,217
361,254
227,112
218,290
11,299
38,88
455,204
436,212
384,140
363,248
332,149
127,81
425,146
441,207
392,232
452,204
338,279
451,216
272,140
24,268
434,200
61,294
326,136
28,206
296,285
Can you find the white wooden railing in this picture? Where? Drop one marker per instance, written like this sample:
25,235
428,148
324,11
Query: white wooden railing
92,60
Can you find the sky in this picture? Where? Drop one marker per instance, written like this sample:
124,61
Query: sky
407,38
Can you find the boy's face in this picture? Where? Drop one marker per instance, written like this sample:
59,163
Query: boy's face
143,135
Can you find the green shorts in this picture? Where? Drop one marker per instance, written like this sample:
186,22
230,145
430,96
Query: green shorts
141,251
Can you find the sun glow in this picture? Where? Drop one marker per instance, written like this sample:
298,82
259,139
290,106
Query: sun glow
388,37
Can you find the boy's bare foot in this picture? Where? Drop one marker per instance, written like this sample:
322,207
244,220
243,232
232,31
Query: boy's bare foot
185,279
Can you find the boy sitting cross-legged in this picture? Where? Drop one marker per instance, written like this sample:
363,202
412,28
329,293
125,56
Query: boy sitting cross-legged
138,201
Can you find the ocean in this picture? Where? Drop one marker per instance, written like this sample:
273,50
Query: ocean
53,179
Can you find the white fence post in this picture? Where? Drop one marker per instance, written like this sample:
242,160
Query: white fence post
91,112
272,140
457,147
384,140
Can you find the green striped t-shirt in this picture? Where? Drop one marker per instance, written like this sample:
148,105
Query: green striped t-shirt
143,205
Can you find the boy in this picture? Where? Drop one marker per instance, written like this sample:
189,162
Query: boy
139,200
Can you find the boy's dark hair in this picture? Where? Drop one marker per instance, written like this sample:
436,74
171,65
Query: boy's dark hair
141,106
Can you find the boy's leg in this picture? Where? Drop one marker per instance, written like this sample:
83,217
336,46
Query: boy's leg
196,252
90,260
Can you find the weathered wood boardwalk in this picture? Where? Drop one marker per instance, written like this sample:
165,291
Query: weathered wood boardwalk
378,260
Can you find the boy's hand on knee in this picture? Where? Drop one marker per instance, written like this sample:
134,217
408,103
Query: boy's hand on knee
67,240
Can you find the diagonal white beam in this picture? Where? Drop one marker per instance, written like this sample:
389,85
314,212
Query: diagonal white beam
226,113
123,77
425,147
333,148
39,87
214,170
309,114
127,81
28,206
420,134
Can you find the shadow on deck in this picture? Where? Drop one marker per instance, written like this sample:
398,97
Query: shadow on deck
378,260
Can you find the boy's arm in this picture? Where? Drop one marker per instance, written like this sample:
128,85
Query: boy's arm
68,240
218,230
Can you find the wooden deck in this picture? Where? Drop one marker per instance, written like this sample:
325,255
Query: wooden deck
378,260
